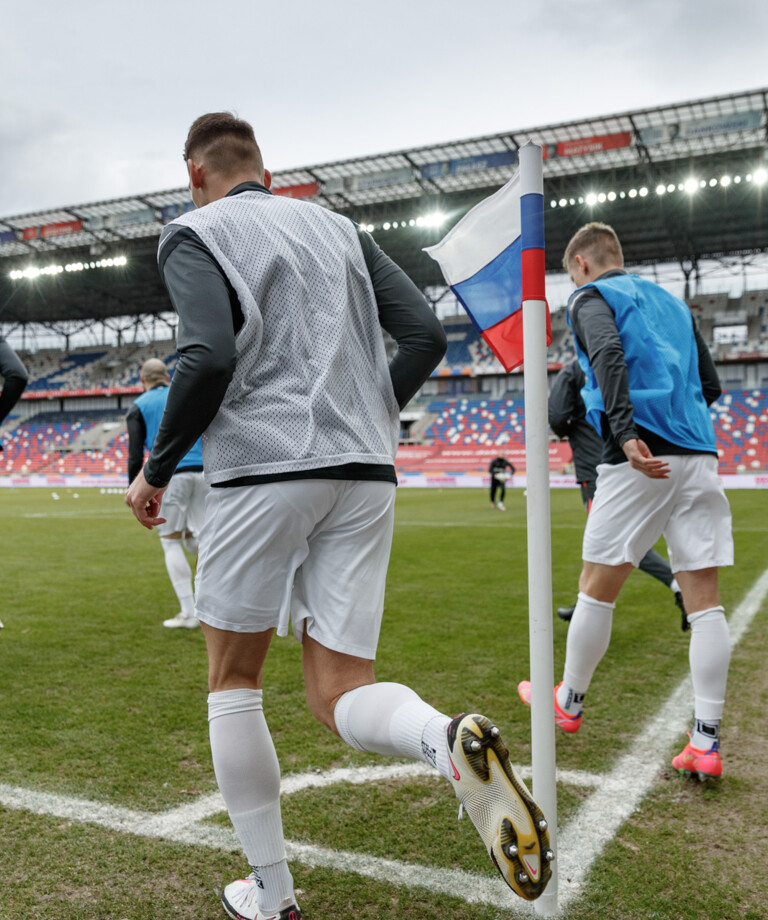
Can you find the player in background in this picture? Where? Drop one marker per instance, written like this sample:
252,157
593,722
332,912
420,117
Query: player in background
649,380
184,504
15,378
568,419
500,469
281,306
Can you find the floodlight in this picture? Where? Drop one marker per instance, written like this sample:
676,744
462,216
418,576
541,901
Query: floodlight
553,204
386,225
611,196
760,177
712,183
661,189
643,192
633,193
671,187
691,185
725,181
591,199
562,202
601,197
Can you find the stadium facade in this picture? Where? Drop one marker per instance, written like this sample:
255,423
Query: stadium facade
684,185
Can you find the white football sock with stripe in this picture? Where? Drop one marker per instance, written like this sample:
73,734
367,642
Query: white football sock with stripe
392,719
589,634
709,656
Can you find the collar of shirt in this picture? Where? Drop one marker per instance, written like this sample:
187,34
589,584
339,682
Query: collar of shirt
248,187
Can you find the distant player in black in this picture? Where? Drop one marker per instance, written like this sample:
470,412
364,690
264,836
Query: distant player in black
567,419
500,469
15,379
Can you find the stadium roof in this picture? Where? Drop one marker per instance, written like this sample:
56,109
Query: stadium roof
679,183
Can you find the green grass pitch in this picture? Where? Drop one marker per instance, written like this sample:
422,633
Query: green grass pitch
99,702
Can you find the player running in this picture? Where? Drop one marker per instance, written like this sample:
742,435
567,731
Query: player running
281,305
184,500
649,379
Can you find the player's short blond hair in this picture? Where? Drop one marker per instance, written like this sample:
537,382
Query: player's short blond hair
597,241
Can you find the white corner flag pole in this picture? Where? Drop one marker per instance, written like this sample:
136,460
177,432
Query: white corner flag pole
539,547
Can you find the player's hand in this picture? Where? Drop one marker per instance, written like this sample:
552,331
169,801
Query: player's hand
145,500
640,458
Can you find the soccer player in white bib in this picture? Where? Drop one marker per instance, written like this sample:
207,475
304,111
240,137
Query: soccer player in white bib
649,381
283,371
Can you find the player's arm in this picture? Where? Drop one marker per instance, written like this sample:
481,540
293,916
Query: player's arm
14,376
710,380
594,325
202,297
407,317
137,433
562,404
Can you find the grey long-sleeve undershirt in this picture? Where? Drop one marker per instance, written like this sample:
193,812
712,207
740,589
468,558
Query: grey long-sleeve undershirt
210,316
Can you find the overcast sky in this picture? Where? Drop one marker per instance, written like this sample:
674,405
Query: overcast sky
96,97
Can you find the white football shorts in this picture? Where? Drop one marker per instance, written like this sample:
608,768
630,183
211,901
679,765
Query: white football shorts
311,551
630,512
183,504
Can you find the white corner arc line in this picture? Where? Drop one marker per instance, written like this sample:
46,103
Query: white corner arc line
581,841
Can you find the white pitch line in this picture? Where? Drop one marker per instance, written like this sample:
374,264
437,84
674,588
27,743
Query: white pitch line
621,791
185,825
581,841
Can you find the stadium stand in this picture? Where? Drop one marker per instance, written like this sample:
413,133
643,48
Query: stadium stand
65,269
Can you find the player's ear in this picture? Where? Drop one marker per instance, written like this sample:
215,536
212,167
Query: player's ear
195,174
267,179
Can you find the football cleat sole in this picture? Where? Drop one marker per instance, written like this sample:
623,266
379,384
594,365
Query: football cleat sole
510,823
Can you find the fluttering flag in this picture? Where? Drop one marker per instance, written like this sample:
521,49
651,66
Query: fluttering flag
493,260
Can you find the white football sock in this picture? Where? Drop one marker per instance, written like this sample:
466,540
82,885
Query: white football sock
709,656
392,719
589,634
248,775
180,574
674,586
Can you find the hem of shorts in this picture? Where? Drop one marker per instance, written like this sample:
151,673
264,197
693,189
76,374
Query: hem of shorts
698,566
333,644
216,622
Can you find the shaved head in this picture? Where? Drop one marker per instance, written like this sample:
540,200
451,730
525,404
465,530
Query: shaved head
153,371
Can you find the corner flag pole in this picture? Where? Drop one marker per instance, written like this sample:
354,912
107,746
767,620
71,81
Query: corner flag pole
538,506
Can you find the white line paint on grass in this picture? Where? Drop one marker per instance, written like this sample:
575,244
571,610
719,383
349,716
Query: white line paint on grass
595,824
185,825
581,840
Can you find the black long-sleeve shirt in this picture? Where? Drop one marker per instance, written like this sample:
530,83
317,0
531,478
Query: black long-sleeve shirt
15,378
594,326
568,419
210,317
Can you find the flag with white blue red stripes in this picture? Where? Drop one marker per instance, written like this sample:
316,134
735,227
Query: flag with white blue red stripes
493,260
